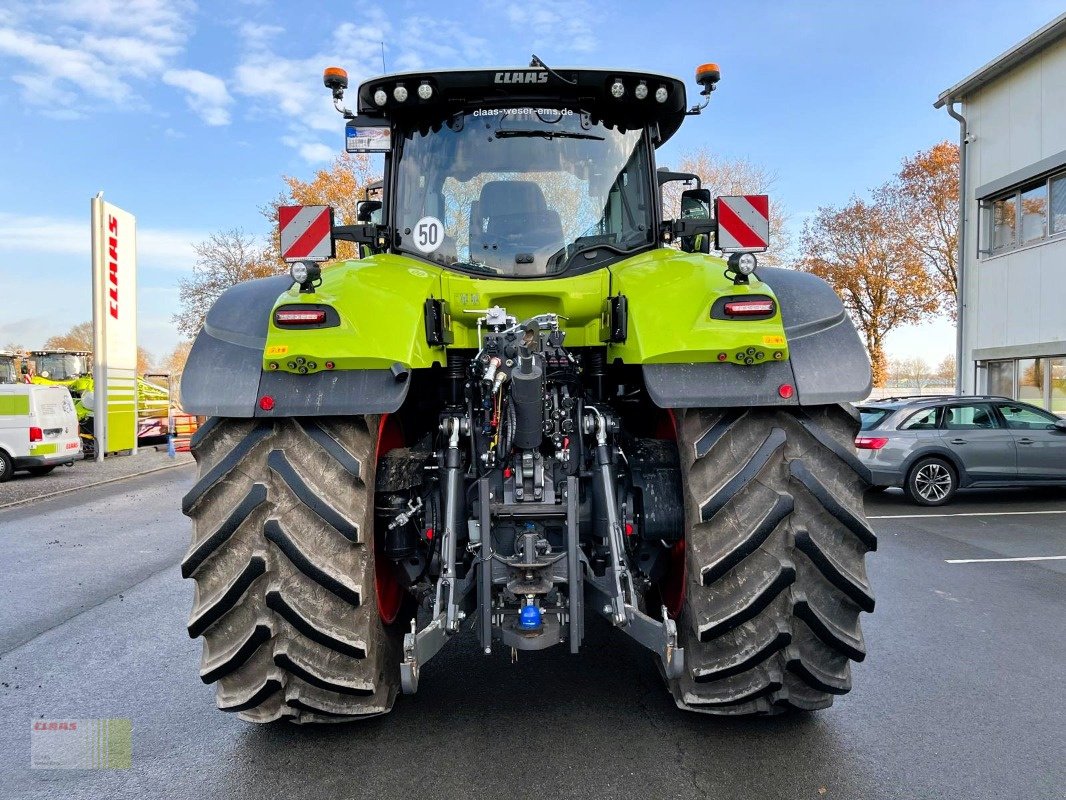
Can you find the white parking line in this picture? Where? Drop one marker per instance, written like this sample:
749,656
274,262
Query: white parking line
988,560
966,514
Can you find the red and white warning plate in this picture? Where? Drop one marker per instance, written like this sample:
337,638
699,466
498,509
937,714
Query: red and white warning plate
743,223
306,232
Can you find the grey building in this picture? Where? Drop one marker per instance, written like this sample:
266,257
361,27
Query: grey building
1012,316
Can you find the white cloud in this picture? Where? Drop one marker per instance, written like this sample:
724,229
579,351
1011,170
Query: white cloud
311,152
290,87
207,95
32,237
84,51
559,25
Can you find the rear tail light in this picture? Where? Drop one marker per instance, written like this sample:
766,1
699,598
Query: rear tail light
749,308
299,317
870,442
36,435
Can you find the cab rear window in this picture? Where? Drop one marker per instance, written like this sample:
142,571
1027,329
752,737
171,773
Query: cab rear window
872,417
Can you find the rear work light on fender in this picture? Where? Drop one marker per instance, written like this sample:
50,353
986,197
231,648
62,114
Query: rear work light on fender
870,442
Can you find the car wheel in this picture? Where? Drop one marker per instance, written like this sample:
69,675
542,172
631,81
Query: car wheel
931,482
7,467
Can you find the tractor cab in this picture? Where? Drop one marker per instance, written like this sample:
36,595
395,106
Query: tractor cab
61,366
8,373
517,173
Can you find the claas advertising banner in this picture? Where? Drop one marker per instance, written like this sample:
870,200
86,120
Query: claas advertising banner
114,243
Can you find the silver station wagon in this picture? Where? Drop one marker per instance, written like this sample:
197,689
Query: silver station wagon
933,446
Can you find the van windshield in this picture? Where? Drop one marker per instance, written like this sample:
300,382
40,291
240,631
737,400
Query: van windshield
523,192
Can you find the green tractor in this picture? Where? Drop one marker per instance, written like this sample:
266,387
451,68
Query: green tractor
532,400
8,370
69,368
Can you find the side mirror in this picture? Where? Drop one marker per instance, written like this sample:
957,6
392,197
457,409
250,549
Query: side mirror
1061,426
695,225
368,211
696,204
25,368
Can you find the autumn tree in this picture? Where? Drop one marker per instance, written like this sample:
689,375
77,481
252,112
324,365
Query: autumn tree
223,260
926,192
724,176
174,363
342,185
79,337
945,370
913,373
144,361
860,250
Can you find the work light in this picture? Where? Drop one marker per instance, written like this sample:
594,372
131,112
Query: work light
305,272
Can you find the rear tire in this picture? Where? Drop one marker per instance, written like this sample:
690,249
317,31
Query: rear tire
775,551
39,471
283,556
7,467
931,482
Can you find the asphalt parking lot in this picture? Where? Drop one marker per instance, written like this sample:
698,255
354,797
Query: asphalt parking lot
961,696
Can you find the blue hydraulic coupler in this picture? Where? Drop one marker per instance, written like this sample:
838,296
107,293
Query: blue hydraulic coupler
529,618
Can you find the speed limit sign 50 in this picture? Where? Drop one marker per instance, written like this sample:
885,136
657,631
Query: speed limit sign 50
428,234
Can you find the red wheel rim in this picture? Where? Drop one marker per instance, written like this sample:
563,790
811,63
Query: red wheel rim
387,588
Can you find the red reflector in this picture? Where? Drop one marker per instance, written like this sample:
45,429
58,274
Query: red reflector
36,435
785,390
629,529
299,316
870,442
722,356
748,308
266,402
429,534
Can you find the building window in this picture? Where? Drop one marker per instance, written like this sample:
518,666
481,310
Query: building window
1001,378
1058,205
1034,214
1038,381
1003,214
1031,381
1028,214
1058,386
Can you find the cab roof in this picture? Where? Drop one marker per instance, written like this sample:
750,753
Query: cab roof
586,89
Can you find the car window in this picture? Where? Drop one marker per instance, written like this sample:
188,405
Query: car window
872,417
969,418
924,420
1024,418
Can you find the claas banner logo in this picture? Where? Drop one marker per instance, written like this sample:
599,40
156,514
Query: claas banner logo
743,223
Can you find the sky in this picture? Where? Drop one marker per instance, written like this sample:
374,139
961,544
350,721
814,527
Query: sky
187,114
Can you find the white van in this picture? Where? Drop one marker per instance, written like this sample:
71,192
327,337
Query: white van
38,429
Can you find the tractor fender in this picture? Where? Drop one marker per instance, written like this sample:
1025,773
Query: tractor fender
224,374
828,358
827,361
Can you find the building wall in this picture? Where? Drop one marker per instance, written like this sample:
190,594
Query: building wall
1016,300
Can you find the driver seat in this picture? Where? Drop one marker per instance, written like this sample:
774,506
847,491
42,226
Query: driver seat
512,217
